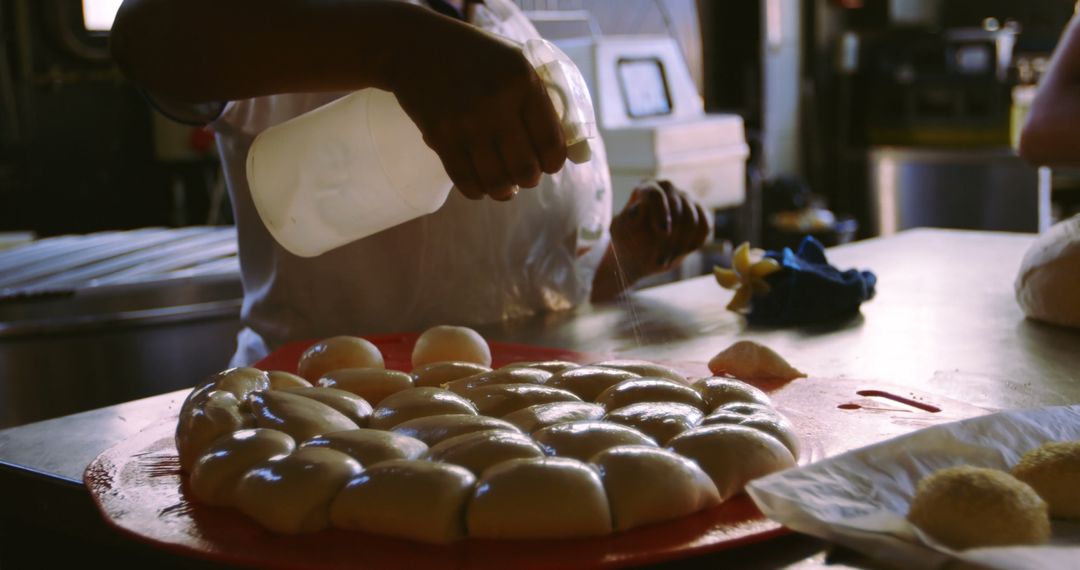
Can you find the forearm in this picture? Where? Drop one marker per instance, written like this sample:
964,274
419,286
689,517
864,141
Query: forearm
217,50
1051,134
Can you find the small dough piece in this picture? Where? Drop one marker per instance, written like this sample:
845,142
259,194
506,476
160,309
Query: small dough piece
659,420
549,497
965,507
371,446
418,403
718,391
749,360
582,440
773,424
436,374
216,474
478,451
336,353
352,406
218,413
1053,470
281,380
242,382
497,400
645,369
1046,284
647,485
292,494
732,455
552,366
448,344
300,417
648,390
541,416
587,382
433,429
415,500
747,409
371,384
520,375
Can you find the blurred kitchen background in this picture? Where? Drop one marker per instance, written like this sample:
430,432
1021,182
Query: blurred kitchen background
844,119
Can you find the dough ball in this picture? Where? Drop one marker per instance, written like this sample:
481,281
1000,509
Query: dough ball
718,391
647,485
746,409
436,374
418,403
433,429
502,376
749,360
964,507
1046,286
659,420
216,474
478,451
552,366
300,417
371,446
218,413
280,380
292,495
336,353
732,455
582,440
549,497
1053,470
645,369
415,500
350,405
773,424
648,390
498,400
371,384
540,416
588,381
447,343
242,382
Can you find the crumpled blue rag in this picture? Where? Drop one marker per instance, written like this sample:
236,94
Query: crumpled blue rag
808,290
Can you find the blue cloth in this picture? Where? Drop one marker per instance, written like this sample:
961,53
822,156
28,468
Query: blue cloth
808,290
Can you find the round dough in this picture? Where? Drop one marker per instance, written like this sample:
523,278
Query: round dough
418,403
217,413
548,497
646,485
448,343
587,382
1046,286
280,380
242,382
436,374
300,417
552,366
478,451
540,416
648,390
216,474
717,391
732,455
519,375
746,409
964,507
416,500
371,384
644,368
371,446
292,495
659,420
336,353
433,429
773,424
350,405
1053,470
749,360
498,400
582,440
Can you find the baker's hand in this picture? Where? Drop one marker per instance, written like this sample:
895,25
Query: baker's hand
659,225
480,107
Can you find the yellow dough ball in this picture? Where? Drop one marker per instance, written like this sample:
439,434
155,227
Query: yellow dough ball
433,429
648,390
448,343
582,440
539,416
217,413
965,507
718,391
418,403
370,446
587,382
436,374
371,384
658,420
645,369
336,353
732,455
498,400
552,366
519,375
478,451
280,380
352,406
216,474
300,417
1053,470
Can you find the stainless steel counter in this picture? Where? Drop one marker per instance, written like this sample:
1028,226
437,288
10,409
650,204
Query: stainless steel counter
944,321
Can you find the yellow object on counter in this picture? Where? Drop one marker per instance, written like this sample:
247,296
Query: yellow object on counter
746,277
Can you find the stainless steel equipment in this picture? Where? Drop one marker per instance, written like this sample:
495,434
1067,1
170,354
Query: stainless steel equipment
89,321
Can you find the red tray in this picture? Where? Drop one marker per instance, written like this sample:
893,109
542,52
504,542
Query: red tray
138,487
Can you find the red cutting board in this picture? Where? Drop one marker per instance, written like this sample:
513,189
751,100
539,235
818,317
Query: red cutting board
138,487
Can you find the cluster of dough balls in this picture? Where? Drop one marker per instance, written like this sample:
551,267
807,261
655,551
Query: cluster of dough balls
967,507
455,449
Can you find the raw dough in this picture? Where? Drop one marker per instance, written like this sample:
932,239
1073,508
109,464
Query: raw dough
418,403
350,405
718,391
658,420
732,455
433,429
280,380
497,400
588,381
1053,470
540,416
217,414
519,375
218,471
478,451
447,343
371,446
300,417
336,353
582,440
371,384
552,366
645,369
748,360
1049,277
436,374
648,390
